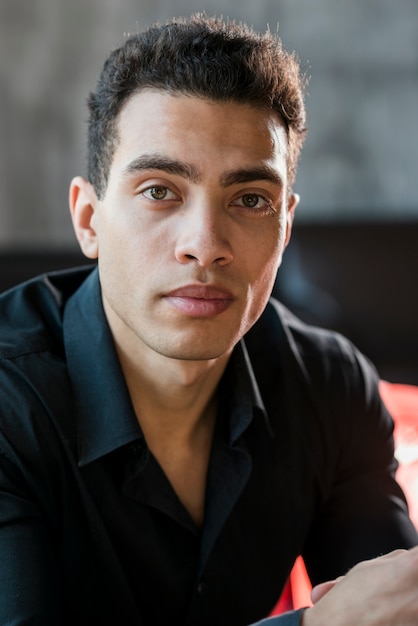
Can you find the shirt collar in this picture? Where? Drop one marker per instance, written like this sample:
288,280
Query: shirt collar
105,419
241,390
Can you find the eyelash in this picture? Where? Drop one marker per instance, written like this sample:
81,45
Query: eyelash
268,209
159,187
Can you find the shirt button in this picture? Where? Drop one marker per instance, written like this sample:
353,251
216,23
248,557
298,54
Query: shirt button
201,588
136,447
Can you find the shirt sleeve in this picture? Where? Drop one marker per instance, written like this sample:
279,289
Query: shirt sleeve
292,618
363,512
29,591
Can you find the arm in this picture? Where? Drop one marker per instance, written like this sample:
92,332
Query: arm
29,592
364,513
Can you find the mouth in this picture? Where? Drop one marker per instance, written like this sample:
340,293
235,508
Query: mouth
200,300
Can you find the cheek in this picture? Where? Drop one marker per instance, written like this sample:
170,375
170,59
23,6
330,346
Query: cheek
262,273
133,261
266,280
263,264
125,234
267,252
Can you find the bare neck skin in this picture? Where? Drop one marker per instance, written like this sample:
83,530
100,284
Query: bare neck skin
175,403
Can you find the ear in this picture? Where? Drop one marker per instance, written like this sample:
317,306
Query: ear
83,206
292,203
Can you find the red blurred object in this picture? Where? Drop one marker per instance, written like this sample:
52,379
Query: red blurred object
402,403
297,592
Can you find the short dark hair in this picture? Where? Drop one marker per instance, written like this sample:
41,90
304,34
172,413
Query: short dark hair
203,57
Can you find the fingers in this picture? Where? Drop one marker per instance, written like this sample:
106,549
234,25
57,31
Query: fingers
384,590
319,591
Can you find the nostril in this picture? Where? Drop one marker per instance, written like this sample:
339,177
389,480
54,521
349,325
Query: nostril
203,248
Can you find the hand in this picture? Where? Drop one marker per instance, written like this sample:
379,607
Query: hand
380,592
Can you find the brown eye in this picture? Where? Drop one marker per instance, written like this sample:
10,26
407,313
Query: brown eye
157,193
250,200
254,204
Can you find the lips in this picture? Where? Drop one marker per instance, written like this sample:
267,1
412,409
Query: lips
200,300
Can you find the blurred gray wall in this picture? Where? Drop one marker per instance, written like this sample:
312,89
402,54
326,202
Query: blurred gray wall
361,156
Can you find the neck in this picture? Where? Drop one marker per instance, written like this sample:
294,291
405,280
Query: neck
171,397
175,403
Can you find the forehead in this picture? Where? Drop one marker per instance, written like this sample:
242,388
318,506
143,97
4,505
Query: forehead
198,129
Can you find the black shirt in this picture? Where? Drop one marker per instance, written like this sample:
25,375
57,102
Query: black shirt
91,531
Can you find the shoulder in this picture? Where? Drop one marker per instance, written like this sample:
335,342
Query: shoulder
322,394
31,313
311,348
316,370
34,385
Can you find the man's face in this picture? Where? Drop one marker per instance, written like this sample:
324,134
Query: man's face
191,230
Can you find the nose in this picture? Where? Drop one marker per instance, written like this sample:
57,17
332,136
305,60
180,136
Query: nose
203,237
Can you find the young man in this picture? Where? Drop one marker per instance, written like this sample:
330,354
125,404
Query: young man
170,439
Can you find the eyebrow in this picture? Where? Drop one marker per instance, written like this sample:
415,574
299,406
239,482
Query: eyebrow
251,174
163,164
190,172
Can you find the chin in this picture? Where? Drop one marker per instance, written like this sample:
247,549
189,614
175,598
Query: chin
194,352
195,355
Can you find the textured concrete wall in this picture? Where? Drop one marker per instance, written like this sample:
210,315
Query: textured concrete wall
361,156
